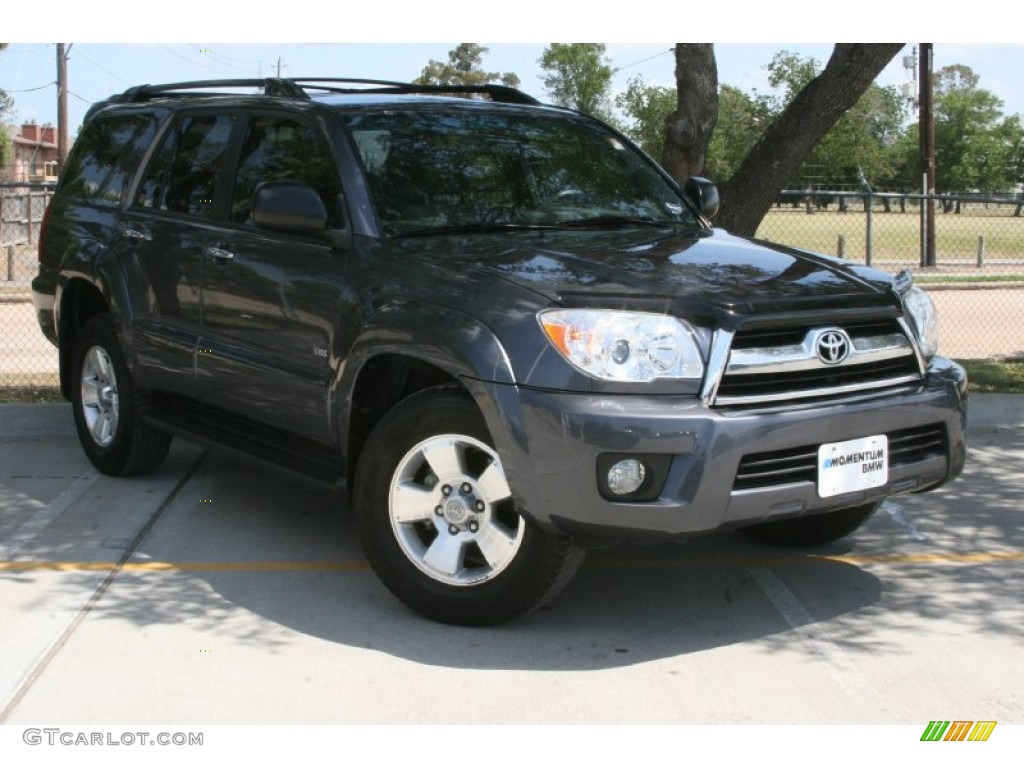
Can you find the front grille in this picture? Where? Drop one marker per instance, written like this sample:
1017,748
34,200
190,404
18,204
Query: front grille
773,366
762,387
800,465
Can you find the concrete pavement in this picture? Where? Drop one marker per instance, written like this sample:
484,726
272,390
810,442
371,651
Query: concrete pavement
210,592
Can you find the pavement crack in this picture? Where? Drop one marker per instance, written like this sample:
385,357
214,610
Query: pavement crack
76,620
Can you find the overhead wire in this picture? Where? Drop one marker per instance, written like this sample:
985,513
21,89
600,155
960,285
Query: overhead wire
649,58
27,90
100,66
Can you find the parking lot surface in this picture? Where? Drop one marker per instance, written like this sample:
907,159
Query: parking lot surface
214,592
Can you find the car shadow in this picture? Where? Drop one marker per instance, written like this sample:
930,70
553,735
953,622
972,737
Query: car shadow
271,561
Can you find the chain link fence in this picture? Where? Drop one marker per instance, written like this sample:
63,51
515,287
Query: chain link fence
27,359
977,281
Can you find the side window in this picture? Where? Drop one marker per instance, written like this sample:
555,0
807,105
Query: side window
183,173
106,155
279,149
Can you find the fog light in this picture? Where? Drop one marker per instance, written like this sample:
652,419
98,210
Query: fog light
625,477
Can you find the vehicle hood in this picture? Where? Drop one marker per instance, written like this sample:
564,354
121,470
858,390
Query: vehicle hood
708,267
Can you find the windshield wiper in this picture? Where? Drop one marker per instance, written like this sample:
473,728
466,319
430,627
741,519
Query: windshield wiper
473,229
617,221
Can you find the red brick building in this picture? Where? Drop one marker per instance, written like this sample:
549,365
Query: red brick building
35,154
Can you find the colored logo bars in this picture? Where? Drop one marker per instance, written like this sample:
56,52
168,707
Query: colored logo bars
958,730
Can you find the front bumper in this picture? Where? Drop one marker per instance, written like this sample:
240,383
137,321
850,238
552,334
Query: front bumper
550,443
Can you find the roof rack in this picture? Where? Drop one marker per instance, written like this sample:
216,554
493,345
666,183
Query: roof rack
298,87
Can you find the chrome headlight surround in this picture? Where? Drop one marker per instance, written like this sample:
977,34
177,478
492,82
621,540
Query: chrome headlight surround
626,347
918,305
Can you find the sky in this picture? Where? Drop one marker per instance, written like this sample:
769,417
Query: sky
397,48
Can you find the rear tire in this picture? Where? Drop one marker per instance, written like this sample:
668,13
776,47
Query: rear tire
437,522
109,408
810,531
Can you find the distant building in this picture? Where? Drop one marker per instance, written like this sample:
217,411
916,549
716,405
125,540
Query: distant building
35,154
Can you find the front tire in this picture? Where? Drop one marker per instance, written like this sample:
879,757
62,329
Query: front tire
108,407
437,520
810,531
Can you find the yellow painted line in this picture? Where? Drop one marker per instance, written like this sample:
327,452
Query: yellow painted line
924,558
355,566
182,567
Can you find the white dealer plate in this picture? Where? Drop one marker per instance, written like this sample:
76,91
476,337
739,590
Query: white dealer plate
853,465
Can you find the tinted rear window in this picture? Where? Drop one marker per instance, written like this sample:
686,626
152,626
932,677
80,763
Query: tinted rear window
106,155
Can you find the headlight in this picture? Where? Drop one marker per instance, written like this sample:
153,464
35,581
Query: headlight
624,346
921,309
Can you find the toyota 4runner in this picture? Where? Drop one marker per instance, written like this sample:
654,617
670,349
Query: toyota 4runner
502,327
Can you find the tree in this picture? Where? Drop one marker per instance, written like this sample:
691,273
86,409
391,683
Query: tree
579,76
689,127
861,141
741,120
648,106
973,143
464,67
6,106
787,141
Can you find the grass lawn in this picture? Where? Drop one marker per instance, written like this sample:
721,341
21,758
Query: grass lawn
1005,376
896,236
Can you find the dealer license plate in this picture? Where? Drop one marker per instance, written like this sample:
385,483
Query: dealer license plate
853,465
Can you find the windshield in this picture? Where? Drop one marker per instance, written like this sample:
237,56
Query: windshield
451,170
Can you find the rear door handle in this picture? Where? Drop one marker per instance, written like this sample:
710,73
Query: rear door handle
218,254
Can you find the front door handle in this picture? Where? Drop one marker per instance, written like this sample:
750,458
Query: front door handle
218,254
135,232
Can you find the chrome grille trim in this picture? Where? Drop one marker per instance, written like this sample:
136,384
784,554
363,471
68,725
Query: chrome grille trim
750,362
883,355
801,394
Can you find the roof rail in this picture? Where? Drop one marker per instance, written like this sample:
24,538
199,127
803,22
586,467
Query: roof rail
494,91
296,88
272,86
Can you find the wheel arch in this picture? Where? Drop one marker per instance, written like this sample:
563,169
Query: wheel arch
80,300
407,348
93,283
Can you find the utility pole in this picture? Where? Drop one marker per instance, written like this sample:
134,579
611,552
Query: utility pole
926,130
62,106
279,67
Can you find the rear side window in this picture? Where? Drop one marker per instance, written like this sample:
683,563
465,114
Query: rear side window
182,177
106,155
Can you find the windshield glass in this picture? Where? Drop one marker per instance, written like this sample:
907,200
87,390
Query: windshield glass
450,170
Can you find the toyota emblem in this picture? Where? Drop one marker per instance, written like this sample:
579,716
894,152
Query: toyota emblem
833,346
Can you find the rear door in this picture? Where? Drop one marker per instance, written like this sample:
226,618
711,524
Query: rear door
171,219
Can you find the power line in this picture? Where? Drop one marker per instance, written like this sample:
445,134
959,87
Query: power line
190,61
222,59
635,63
39,88
100,66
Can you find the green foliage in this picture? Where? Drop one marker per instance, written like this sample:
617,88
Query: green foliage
976,147
863,139
464,67
973,144
741,119
647,106
579,76
6,106
995,375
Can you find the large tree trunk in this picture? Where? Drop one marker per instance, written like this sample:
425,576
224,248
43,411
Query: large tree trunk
689,128
798,128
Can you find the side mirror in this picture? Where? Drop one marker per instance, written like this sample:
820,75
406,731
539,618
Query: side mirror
288,205
704,195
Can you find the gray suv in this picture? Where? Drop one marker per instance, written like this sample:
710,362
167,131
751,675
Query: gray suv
503,328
